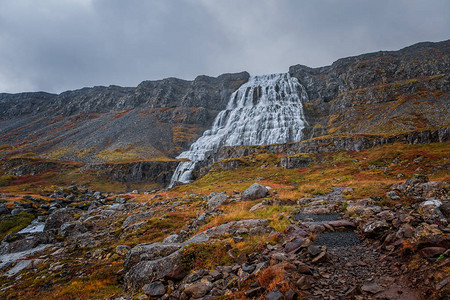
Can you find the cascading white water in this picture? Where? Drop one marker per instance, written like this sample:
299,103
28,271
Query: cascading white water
266,110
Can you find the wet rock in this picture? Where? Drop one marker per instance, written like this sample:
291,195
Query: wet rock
255,191
274,295
3,209
22,242
425,233
302,268
417,178
290,295
445,209
305,282
254,292
394,195
97,195
149,252
86,240
248,268
405,231
198,289
72,229
176,274
260,230
154,289
341,223
17,211
294,245
322,257
229,228
376,227
216,275
314,250
430,252
59,217
146,271
372,288
279,256
259,267
442,283
434,202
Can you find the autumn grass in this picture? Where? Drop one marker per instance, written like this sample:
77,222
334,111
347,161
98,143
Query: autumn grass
13,224
205,256
369,172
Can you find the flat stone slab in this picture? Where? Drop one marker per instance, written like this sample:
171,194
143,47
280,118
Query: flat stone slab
338,239
319,218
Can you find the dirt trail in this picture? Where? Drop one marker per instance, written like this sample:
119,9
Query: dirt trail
356,268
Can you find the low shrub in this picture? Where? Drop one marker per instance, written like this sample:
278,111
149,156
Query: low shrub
6,179
15,223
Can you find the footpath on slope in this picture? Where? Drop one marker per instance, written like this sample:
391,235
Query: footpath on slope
355,269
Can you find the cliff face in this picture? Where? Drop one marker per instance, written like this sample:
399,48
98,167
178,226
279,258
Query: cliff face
381,92
155,119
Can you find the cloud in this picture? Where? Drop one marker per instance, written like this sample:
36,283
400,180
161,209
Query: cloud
55,45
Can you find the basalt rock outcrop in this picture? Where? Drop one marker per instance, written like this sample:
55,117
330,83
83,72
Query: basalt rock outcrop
136,172
385,91
154,119
298,153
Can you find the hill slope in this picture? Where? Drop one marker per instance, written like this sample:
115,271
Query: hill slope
382,92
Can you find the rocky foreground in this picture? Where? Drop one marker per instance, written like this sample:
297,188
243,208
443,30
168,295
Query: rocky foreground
241,245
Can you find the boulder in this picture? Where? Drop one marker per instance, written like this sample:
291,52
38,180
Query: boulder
430,252
216,200
136,218
59,217
198,289
294,245
375,228
3,209
274,295
149,252
173,238
305,282
255,191
154,289
145,272
394,195
258,206
177,273
303,268
372,288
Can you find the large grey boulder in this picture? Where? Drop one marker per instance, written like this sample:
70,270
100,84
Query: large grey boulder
146,263
59,217
255,191
149,252
216,200
136,218
145,272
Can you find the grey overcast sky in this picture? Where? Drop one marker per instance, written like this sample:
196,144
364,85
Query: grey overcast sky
57,45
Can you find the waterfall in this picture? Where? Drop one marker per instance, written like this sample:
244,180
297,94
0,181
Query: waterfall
265,110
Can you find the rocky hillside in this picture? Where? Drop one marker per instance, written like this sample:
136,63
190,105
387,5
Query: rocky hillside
342,225
154,120
386,91
379,92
